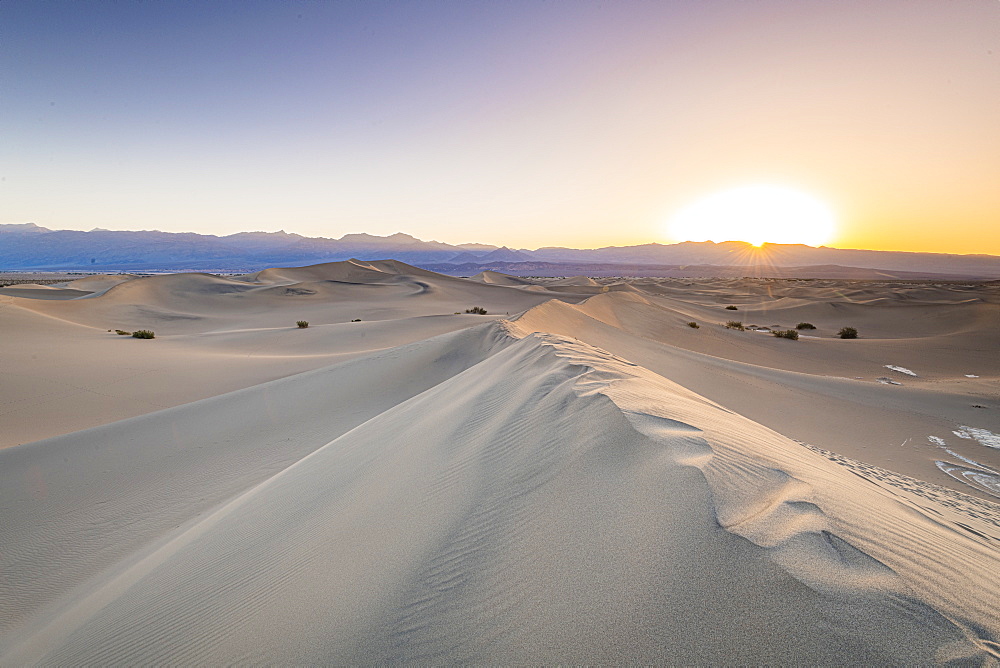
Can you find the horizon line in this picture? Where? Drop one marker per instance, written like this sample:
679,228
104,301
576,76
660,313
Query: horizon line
502,246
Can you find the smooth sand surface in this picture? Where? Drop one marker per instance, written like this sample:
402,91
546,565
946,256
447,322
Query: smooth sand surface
63,371
576,477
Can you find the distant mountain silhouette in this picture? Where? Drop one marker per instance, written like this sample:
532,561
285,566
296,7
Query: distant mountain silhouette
502,254
466,258
28,246
828,271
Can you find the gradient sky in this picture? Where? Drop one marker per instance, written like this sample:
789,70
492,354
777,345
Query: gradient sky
528,124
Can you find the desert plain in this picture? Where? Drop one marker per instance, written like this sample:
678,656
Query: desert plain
577,476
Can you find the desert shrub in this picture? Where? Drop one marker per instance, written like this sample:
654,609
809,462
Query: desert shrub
143,334
302,323
478,310
356,320
731,308
693,325
805,325
848,333
122,332
792,334
735,324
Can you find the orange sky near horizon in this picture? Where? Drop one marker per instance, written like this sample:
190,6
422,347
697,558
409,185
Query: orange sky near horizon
924,236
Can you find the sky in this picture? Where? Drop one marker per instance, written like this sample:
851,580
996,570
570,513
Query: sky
526,124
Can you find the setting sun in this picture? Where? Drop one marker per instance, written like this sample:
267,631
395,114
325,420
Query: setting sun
755,214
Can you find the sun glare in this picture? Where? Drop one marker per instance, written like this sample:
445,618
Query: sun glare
755,214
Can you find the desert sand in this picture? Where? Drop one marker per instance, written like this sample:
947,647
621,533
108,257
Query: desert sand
578,476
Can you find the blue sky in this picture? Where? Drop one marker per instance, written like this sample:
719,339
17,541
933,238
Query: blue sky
517,123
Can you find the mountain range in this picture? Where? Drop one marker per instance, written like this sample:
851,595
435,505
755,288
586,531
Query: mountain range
27,246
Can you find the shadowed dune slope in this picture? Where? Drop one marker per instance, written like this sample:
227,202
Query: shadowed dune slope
30,291
150,474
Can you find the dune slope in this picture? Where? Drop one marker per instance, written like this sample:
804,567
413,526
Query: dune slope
63,370
549,502
574,484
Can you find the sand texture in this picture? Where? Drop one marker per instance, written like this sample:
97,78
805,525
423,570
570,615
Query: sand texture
578,476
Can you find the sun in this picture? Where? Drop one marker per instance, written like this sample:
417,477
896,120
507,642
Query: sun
756,214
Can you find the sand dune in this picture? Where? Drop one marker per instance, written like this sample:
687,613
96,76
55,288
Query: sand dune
587,479
100,282
496,278
820,390
64,371
574,280
32,291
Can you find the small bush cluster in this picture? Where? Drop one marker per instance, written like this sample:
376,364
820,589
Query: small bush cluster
122,332
478,310
731,308
693,325
792,334
735,324
848,333
805,325
302,323
143,334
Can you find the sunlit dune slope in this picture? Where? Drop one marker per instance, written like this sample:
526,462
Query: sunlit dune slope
824,390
